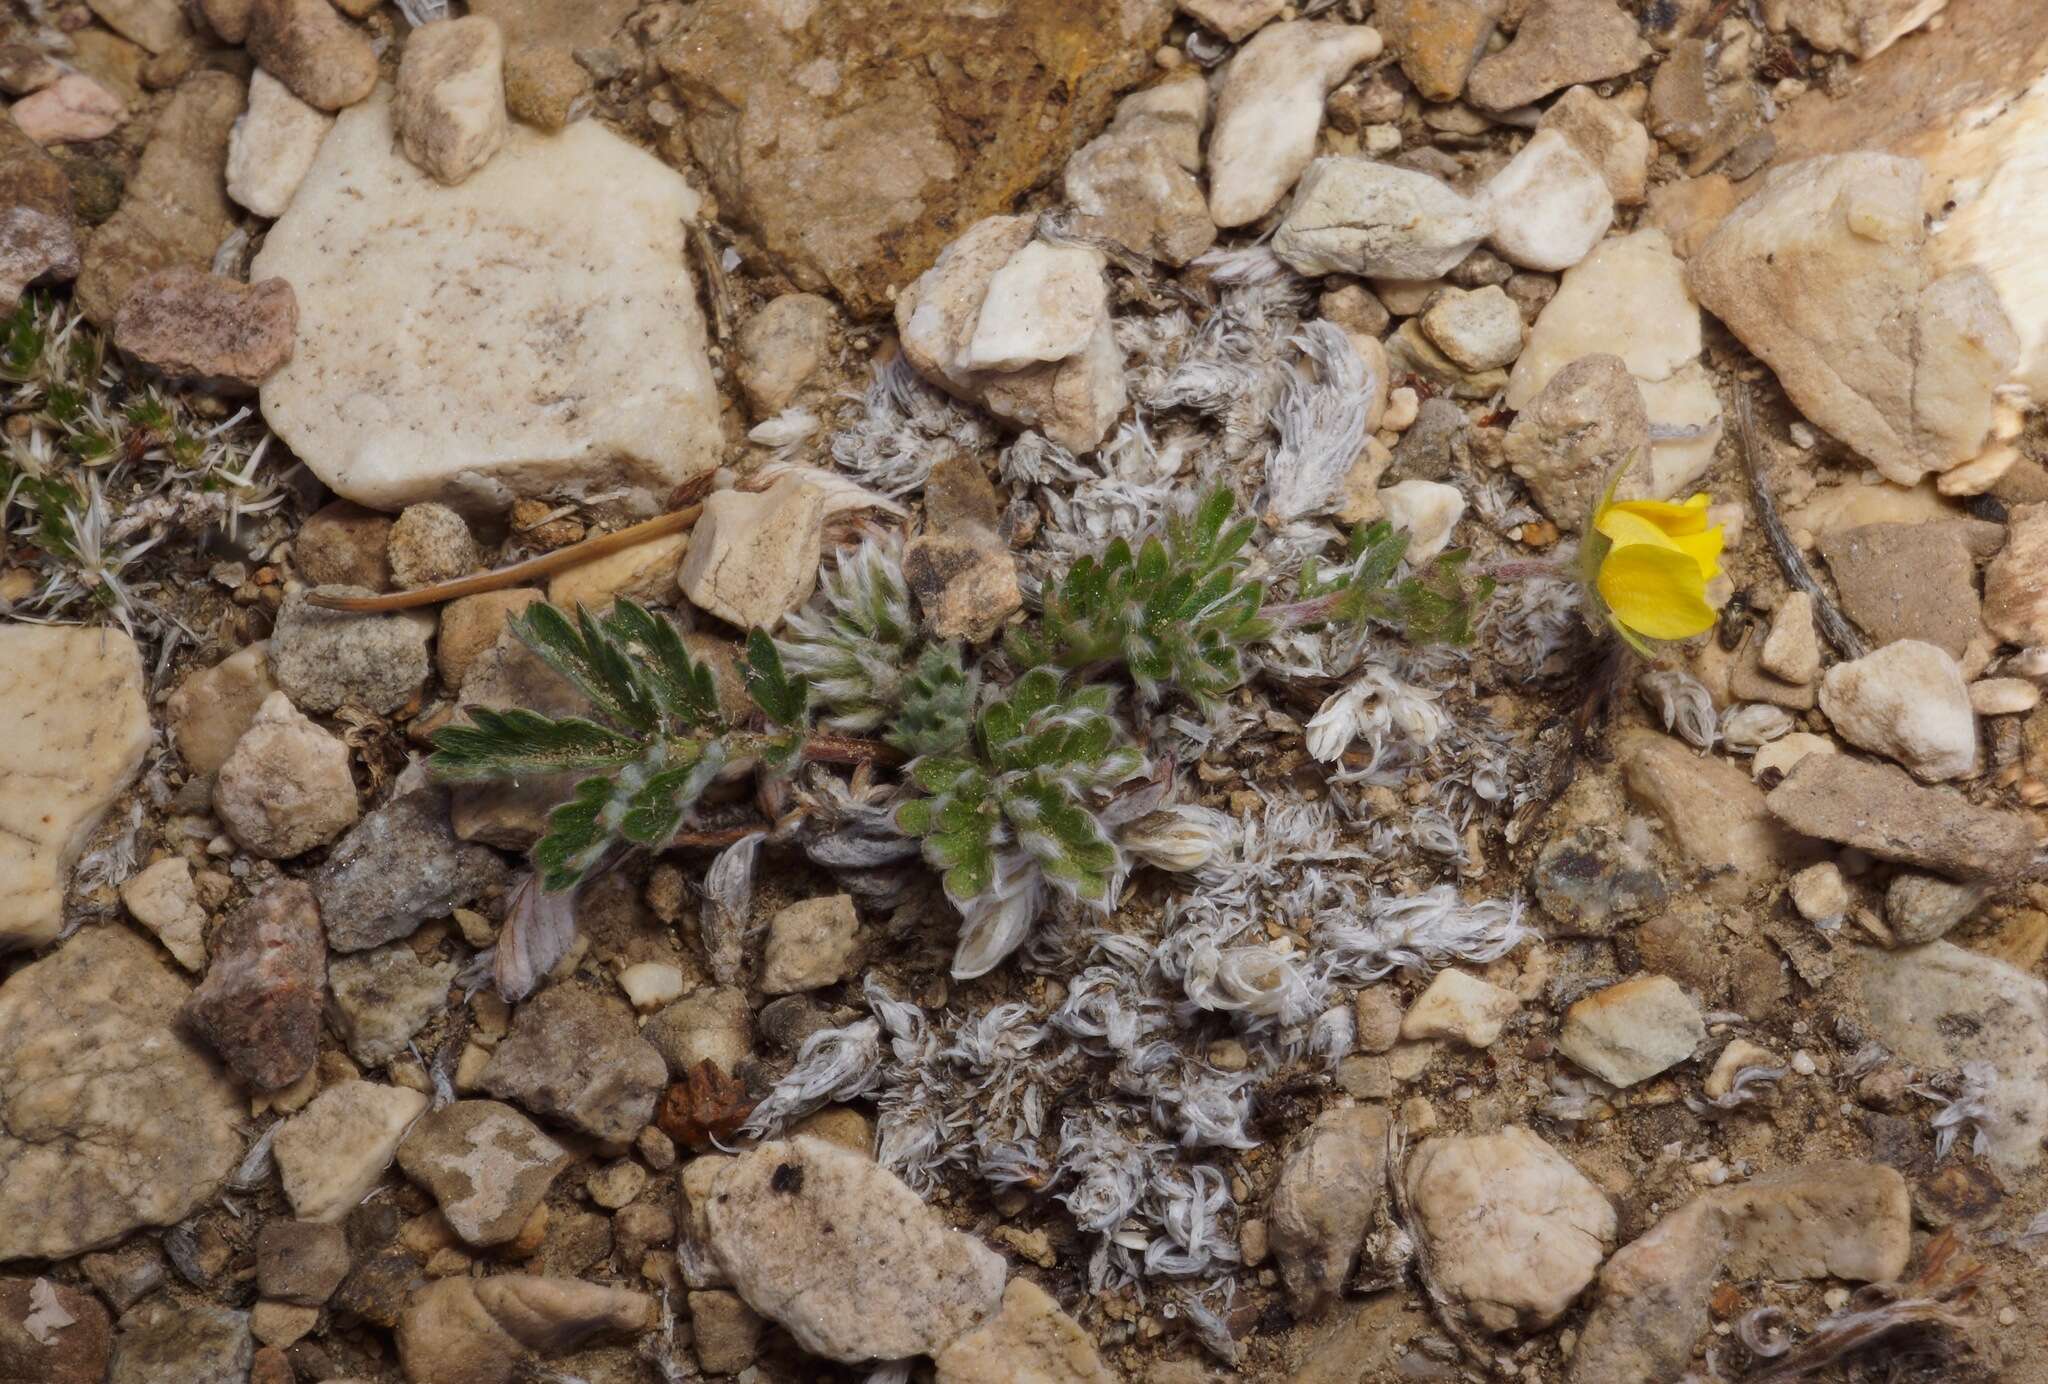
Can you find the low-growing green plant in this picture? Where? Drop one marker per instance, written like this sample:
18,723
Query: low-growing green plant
1012,759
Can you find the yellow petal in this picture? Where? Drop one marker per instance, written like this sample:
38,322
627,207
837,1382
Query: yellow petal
1625,527
1704,549
1676,520
1657,592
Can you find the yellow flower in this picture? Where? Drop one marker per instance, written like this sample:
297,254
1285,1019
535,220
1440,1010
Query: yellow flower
1650,561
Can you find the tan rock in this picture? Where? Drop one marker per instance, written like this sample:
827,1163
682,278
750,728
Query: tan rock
1324,1201
1861,28
90,1043
73,731
1236,20
811,944
1791,651
753,557
1515,1232
157,25
162,898
451,96
213,707
1629,1032
331,1154
1462,1007
482,1331
1559,43
844,1256
1715,815
471,624
1136,182
2016,583
1029,1338
645,572
1438,40
224,334
273,145
1880,809
965,581
578,228
286,787
724,1331
781,347
1604,131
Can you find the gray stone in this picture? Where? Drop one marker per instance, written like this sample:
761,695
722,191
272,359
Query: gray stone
261,1000
845,1256
486,1164
575,1056
325,659
1920,908
111,1116
1880,809
1591,880
1940,1006
430,543
1355,215
400,866
384,996
169,1342
1480,329
1324,1201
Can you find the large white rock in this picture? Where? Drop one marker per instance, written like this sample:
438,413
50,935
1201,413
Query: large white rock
1906,701
533,331
1629,298
1268,109
73,730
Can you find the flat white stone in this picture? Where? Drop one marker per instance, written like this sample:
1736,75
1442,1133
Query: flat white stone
1550,205
533,331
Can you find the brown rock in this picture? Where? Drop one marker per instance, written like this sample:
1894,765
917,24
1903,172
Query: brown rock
724,1331
481,1331
545,86
38,224
1700,112
191,325
1715,815
327,62
343,544
576,1057
1236,20
25,68
965,583
261,1002
471,624
1560,43
228,18
1880,809
857,144
1911,581
1613,140
1438,40
2016,583
176,209
300,1262
73,1352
